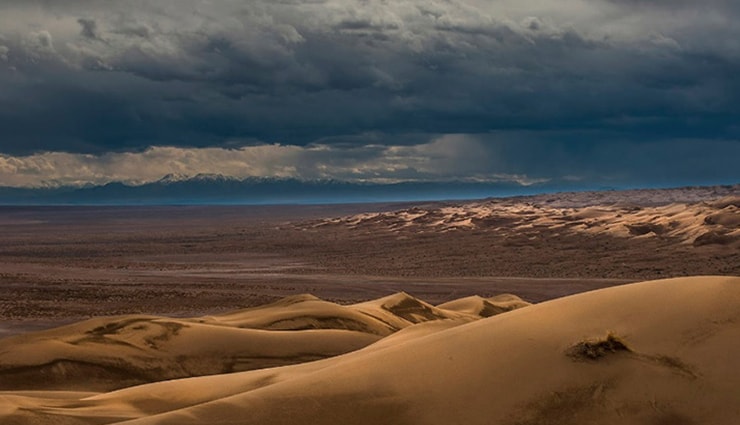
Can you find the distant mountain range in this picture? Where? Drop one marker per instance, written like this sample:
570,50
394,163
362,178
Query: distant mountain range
219,189
176,189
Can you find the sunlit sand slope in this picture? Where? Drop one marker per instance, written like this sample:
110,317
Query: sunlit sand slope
659,352
116,352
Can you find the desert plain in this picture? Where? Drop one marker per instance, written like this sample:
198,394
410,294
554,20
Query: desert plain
576,308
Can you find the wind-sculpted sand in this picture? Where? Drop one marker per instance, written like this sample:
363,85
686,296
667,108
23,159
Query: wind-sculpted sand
657,352
701,223
115,352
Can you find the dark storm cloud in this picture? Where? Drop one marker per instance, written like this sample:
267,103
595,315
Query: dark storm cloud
94,76
89,28
615,160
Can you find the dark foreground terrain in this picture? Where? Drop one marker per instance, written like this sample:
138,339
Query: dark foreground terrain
62,264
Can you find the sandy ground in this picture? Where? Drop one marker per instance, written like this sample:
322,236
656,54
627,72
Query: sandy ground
411,318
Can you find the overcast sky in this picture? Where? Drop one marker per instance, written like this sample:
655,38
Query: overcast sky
631,92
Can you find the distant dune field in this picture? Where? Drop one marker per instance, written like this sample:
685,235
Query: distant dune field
716,222
656,352
60,265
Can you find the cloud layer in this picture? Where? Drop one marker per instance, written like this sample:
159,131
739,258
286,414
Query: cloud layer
138,78
446,158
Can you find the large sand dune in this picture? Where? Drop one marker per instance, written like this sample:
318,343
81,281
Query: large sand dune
115,352
659,352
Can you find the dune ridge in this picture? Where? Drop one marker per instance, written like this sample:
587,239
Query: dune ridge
715,222
654,352
115,352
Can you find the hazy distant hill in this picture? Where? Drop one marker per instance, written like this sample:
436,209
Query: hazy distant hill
210,188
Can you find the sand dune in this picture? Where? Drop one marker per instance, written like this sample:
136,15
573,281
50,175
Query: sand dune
116,352
485,307
104,354
701,223
659,352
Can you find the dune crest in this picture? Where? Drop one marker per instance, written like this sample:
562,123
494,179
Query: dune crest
485,307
